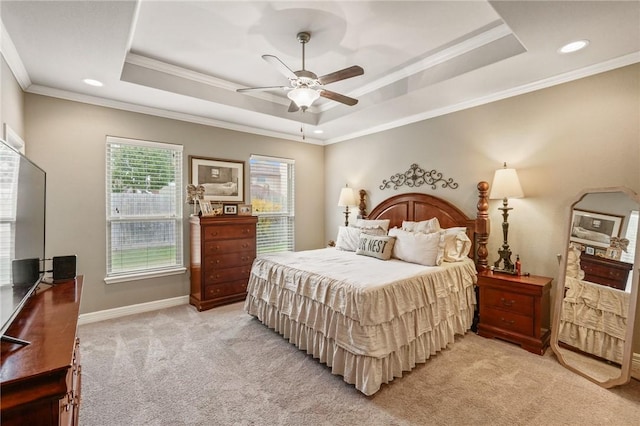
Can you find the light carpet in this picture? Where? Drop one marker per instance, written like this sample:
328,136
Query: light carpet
177,366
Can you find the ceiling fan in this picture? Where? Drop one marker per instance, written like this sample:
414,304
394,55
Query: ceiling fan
305,87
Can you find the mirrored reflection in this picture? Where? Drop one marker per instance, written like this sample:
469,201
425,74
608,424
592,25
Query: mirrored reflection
594,322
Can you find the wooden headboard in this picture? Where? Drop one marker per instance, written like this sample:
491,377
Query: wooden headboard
417,207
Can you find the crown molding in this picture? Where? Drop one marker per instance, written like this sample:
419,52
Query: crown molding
523,89
567,77
198,77
10,54
190,118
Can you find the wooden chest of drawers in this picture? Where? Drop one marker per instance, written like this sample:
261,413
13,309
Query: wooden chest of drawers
516,309
609,272
222,251
41,382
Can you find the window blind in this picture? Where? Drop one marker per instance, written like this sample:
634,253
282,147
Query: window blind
272,200
632,236
9,169
144,206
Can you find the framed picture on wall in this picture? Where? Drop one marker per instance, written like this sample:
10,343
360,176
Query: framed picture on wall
223,180
593,228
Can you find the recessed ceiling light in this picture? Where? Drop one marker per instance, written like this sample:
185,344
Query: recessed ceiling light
574,46
318,131
92,82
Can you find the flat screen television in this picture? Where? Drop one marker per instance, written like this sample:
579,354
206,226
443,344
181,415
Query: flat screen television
22,233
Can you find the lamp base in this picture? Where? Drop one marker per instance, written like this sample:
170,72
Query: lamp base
505,271
505,258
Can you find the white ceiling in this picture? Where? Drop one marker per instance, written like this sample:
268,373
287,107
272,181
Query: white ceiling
422,59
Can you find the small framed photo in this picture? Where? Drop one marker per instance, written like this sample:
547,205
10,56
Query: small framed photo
244,210
217,208
205,208
590,250
230,209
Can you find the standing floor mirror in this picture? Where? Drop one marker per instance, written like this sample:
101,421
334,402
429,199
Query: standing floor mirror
597,294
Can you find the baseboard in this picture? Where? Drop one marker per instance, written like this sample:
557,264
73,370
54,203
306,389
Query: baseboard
131,309
635,366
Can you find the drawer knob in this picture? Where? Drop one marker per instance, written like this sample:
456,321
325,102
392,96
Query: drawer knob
506,302
510,322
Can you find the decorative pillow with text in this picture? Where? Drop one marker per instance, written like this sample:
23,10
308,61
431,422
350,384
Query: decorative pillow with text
376,246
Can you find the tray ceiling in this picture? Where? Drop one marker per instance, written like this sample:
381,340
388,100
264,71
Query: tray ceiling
422,59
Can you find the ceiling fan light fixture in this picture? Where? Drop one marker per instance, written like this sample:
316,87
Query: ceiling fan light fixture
303,96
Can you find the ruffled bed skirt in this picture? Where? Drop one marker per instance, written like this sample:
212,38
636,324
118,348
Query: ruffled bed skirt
592,341
364,355
594,319
366,373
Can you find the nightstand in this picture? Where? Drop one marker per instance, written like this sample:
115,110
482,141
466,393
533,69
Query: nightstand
515,308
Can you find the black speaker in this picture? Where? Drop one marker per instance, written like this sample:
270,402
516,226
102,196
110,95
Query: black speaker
25,271
64,268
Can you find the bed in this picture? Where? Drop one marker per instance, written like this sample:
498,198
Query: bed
373,325
594,319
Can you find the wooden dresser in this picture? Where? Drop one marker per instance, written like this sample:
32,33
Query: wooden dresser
222,251
601,270
41,381
516,309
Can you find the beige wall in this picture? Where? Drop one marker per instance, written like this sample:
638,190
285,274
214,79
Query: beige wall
67,139
561,140
11,101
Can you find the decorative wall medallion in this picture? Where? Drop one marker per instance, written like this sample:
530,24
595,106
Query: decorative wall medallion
416,176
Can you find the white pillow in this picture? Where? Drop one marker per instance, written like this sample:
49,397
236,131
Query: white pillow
349,236
376,246
426,226
457,244
417,247
365,223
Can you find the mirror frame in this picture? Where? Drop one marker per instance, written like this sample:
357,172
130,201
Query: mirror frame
625,370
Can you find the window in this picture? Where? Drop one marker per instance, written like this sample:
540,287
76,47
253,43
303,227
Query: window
10,167
144,209
631,235
272,200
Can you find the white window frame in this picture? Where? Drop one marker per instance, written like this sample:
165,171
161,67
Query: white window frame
288,216
113,217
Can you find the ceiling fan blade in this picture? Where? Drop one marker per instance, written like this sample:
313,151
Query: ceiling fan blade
273,60
293,107
262,89
338,97
341,75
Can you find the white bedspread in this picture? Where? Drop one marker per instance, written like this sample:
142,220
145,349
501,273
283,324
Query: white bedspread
392,313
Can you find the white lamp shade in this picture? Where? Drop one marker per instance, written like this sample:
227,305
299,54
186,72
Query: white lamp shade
347,198
303,96
506,185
